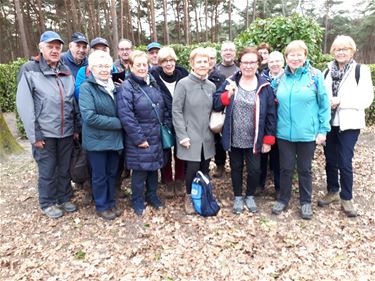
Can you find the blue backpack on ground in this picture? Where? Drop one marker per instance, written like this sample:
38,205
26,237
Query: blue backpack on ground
201,193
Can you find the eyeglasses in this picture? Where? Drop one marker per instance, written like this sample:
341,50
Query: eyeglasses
169,61
249,62
103,66
344,50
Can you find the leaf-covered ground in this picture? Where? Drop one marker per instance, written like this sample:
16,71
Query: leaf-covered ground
169,245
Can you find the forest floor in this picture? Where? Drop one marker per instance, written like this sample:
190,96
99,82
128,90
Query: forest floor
169,245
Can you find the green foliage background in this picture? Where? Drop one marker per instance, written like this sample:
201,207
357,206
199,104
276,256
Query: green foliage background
279,31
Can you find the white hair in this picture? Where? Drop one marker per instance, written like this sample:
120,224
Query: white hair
99,57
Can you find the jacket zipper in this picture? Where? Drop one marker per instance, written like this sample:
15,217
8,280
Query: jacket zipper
61,105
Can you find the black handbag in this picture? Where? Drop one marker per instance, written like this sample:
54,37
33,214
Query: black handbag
168,140
79,168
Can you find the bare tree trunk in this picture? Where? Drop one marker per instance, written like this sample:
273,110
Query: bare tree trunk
166,29
206,20
98,29
139,26
152,22
178,20
122,18
74,14
186,22
68,18
130,22
92,19
326,25
21,28
254,9
230,20
114,28
217,21
197,38
40,17
247,14
283,5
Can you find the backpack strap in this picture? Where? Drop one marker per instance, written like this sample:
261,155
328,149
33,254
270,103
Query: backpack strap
325,73
357,72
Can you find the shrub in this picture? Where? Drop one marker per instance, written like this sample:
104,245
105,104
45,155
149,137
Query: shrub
8,84
278,32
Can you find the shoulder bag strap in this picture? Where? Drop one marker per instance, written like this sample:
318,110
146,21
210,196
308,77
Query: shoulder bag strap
152,104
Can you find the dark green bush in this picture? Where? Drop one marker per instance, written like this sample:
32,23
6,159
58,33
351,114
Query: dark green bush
8,84
278,32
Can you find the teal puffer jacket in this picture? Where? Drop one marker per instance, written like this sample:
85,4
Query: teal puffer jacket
303,106
101,127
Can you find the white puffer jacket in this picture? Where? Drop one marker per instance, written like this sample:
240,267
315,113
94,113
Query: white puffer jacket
354,98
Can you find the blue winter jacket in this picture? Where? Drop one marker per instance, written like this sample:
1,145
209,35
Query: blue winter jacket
101,127
68,59
140,123
303,106
264,113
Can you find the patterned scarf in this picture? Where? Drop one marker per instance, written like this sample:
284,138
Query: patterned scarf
337,75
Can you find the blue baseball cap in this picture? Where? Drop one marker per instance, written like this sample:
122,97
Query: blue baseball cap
79,37
49,36
153,45
98,41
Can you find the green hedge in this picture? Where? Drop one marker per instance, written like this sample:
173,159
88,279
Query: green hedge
8,84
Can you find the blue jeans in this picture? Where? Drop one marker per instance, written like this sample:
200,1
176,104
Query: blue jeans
140,180
237,157
104,165
290,153
53,171
339,152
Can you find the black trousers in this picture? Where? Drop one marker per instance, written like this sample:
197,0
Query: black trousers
192,167
239,156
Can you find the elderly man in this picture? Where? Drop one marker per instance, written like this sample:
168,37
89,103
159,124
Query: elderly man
76,56
227,66
124,49
152,53
46,104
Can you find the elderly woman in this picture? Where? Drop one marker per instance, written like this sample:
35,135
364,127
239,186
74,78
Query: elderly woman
350,89
191,109
249,126
275,68
140,105
167,75
303,122
101,132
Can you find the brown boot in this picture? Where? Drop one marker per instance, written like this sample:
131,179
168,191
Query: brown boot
329,198
348,208
189,208
219,171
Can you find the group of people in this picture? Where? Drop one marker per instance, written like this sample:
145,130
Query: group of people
271,111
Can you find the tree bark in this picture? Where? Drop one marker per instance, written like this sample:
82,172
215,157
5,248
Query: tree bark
130,23
114,28
8,144
254,9
122,18
42,25
139,26
166,29
186,22
74,14
230,20
21,28
92,19
153,31
206,20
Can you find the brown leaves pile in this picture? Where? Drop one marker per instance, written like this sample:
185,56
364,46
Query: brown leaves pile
168,245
